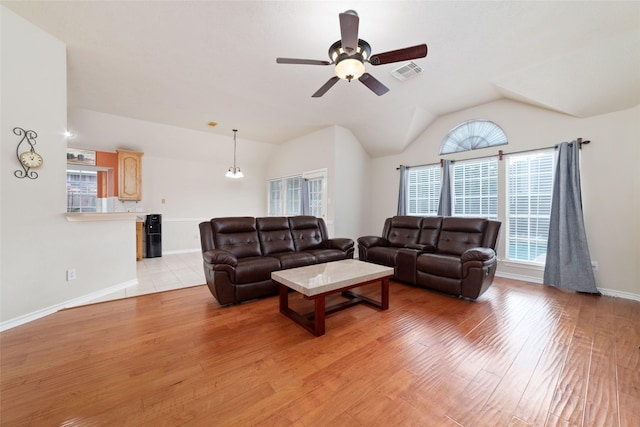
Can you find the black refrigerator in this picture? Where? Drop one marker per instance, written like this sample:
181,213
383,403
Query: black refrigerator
153,235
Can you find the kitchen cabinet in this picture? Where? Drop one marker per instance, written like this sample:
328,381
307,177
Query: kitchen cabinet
129,175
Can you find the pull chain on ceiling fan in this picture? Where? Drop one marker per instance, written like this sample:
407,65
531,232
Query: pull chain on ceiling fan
350,53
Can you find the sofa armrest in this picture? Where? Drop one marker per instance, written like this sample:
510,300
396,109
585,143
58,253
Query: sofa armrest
370,241
343,244
217,256
478,254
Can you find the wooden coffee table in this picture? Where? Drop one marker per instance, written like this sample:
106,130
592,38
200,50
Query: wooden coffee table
320,280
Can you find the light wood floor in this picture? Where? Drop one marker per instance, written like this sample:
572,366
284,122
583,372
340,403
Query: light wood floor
522,355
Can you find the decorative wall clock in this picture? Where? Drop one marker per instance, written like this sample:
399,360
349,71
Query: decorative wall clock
27,155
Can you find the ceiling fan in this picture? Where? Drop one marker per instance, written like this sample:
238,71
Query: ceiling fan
350,53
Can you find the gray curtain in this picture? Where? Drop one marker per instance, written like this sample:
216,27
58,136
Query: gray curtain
304,196
568,264
402,192
444,207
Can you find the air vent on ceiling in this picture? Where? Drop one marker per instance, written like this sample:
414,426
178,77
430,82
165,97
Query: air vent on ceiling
406,71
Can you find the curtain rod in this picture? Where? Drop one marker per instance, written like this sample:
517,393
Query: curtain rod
501,154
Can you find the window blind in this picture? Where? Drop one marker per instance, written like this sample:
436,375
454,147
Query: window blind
475,188
275,197
423,190
529,193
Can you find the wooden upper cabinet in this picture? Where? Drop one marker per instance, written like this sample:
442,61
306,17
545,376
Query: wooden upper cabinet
129,175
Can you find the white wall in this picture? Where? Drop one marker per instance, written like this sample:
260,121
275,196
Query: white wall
350,184
610,177
38,245
184,168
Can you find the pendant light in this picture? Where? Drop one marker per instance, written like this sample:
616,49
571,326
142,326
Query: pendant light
234,172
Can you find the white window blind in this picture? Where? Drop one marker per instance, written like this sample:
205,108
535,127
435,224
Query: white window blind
529,192
315,197
423,190
275,197
293,198
475,188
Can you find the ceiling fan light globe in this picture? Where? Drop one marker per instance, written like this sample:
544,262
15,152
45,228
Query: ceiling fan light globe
349,69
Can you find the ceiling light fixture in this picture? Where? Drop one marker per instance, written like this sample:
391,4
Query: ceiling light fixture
234,172
349,66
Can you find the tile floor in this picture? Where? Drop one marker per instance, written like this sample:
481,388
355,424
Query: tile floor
162,274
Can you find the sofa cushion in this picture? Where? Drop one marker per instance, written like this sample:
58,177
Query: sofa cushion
326,255
294,259
430,231
255,269
275,235
404,230
460,234
237,235
440,265
306,232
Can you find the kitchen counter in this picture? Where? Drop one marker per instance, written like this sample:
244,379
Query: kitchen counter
106,216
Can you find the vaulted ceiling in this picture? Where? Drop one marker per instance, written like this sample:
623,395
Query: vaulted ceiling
186,63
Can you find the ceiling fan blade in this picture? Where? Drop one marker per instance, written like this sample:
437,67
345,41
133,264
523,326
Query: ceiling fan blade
301,61
349,30
328,85
419,51
374,84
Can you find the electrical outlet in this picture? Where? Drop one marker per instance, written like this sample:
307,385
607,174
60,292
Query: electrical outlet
594,265
71,274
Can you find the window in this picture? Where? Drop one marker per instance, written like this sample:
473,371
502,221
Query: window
529,193
471,135
293,197
423,187
82,191
275,197
285,194
475,188
315,197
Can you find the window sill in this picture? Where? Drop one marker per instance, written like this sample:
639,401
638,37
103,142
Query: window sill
106,216
522,264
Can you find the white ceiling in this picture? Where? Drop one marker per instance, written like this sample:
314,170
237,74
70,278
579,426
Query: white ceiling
186,63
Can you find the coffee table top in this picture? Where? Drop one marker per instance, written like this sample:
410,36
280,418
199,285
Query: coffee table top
320,278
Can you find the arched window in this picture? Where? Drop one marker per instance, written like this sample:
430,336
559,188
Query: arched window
471,135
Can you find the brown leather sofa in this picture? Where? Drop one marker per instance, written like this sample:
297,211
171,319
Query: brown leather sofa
454,255
239,253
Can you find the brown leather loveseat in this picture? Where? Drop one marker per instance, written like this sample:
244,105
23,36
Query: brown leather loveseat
239,253
454,255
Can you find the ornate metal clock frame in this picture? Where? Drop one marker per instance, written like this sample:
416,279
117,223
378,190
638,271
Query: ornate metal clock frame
28,137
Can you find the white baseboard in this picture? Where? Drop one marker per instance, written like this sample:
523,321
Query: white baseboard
26,318
181,251
619,294
604,291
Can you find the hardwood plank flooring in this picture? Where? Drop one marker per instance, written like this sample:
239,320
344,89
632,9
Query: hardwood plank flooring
522,355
